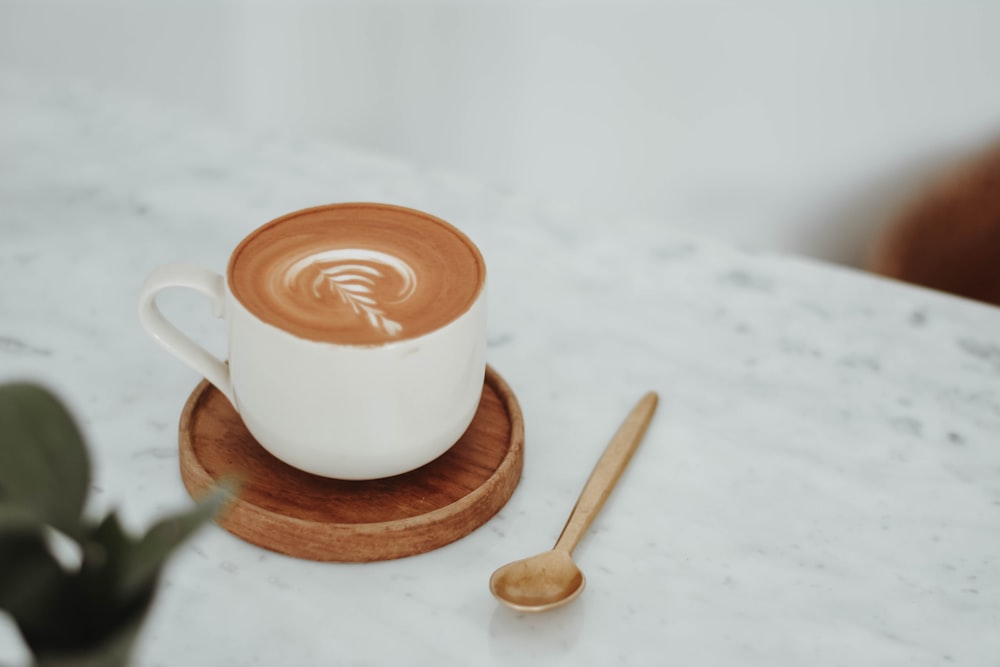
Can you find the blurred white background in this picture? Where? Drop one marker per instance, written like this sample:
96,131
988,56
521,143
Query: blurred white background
797,126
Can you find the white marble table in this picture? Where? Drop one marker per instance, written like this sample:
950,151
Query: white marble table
821,485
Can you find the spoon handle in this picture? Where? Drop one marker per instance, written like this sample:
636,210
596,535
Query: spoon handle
607,471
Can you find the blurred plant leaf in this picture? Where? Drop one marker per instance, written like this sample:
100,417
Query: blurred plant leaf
16,520
94,614
43,460
147,556
106,553
32,583
113,651
86,616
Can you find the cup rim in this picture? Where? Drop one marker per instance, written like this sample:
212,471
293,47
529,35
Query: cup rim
477,295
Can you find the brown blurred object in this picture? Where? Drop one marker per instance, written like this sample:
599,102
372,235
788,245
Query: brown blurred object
949,239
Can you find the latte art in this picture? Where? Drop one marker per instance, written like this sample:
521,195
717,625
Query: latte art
365,280
357,274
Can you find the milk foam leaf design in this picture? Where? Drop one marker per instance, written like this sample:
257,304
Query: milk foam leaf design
356,297
354,275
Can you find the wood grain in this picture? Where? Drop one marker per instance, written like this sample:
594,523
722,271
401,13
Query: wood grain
299,514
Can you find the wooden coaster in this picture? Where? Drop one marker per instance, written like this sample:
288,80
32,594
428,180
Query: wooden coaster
296,513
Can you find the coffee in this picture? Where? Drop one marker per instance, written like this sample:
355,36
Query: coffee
356,336
357,274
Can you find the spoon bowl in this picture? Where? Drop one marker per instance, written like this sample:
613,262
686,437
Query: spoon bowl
551,579
542,582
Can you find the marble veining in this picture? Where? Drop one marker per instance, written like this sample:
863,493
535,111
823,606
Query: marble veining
820,486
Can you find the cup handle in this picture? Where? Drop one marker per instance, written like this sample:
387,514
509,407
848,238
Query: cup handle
170,337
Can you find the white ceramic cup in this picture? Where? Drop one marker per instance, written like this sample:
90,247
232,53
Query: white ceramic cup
343,411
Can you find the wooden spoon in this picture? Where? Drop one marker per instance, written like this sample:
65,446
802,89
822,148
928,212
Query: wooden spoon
551,579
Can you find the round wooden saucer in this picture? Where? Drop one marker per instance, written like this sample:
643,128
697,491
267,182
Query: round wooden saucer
296,513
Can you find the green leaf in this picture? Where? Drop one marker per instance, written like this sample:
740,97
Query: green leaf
106,551
148,555
112,651
31,582
43,460
16,520
91,616
111,593
84,621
